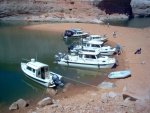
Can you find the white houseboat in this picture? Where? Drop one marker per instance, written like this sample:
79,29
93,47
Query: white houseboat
95,38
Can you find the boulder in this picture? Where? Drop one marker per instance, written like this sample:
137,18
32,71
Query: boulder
104,97
14,106
129,96
21,103
140,7
112,94
51,92
106,85
44,102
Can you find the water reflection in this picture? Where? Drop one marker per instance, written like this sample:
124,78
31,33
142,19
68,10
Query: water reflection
80,76
33,85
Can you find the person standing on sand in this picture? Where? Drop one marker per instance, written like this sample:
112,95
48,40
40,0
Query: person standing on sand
107,24
114,34
118,49
138,51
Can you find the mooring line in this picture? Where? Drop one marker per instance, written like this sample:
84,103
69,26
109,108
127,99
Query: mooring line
80,82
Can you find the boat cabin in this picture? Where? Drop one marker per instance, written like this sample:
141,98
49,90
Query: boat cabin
90,55
95,44
95,37
38,69
74,32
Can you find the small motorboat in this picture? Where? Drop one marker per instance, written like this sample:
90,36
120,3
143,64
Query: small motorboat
119,74
90,45
94,37
74,33
39,72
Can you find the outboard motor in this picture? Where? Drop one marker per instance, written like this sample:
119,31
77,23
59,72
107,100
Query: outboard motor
57,58
57,81
71,46
60,54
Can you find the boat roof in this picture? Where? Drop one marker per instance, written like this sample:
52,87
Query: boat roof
94,36
89,52
36,65
94,42
76,29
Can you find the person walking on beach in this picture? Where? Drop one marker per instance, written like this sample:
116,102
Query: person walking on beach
107,24
138,51
114,34
118,49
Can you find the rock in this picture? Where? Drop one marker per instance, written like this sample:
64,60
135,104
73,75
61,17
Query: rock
127,100
51,92
21,103
14,106
112,94
104,97
129,96
106,85
125,88
140,7
44,102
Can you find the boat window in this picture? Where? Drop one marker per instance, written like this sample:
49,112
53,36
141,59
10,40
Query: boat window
93,56
46,69
95,37
80,56
29,68
90,56
39,72
94,45
88,45
102,45
33,70
103,61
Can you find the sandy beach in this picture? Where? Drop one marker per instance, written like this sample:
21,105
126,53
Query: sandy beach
130,39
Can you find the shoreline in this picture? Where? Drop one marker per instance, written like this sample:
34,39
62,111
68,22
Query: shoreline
130,39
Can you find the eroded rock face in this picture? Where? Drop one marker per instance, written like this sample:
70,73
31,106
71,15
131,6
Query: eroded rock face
140,7
68,10
115,6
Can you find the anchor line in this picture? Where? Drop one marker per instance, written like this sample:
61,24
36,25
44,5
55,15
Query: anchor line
80,82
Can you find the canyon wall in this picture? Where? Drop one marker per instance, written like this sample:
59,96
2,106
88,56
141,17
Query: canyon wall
87,10
140,7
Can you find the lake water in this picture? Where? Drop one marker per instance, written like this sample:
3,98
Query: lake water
17,43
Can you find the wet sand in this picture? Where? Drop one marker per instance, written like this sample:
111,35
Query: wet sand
130,39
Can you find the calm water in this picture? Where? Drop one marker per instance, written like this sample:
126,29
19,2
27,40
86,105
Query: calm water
134,22
17,43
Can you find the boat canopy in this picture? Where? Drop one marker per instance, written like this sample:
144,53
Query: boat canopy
68,33
36,65
95,42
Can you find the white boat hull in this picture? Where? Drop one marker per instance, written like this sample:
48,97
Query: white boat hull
120,74
83,65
